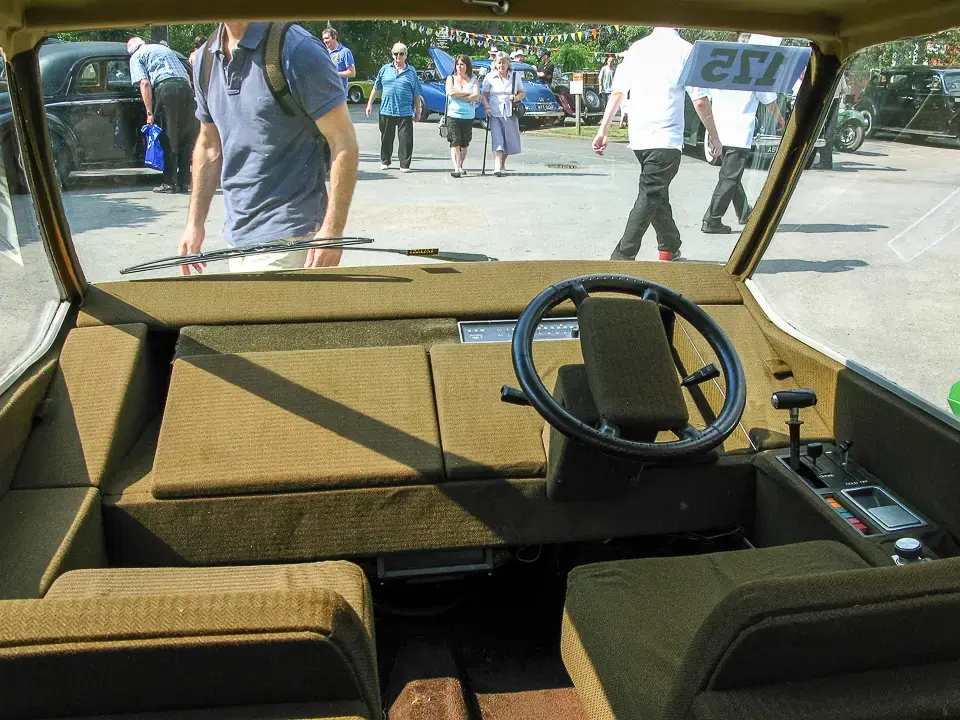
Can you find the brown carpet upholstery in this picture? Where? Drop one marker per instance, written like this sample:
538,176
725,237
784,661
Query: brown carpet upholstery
44,533
641,638
99,404
211,339
765,374
629,627
17,408
464,290
272,422
481,436
249,637
282,527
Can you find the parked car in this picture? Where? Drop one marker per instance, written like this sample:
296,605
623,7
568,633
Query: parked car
916,100
591,102
540,103
94,114
359,90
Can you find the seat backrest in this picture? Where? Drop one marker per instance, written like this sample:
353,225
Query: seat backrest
804,628
115,654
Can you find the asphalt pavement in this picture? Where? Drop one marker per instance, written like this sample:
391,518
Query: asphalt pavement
867,259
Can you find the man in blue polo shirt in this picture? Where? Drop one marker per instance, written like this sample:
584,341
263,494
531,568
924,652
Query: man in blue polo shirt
341,55
269,163
402,96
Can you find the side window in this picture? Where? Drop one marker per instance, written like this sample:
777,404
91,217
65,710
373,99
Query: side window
926,83
864,262
29,295
118,75
90,77
899,82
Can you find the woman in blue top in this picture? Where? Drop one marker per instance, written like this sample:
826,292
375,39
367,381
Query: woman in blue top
462,93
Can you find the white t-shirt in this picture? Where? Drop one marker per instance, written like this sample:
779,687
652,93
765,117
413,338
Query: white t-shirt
649,76
735,113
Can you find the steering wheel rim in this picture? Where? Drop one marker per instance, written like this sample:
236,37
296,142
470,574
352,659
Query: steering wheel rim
690,440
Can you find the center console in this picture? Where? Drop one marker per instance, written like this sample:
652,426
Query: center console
849,502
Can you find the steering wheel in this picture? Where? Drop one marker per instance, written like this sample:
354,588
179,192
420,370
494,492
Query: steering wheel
690,441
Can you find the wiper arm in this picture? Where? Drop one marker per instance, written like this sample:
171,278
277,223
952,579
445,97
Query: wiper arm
434,253
303,244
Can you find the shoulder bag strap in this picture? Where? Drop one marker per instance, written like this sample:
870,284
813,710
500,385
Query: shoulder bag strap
206,63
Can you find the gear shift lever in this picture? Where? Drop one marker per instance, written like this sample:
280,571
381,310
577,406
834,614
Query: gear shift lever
793,400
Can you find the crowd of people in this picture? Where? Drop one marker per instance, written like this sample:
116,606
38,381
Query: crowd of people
260,128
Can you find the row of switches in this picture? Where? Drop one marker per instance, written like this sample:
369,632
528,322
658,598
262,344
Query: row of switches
847,515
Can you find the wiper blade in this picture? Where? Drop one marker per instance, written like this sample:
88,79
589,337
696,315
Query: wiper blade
258,249
353,243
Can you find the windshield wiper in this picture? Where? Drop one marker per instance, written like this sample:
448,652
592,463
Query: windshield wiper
303,244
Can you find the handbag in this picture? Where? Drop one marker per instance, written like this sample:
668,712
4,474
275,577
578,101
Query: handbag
518,107
153,157
442,125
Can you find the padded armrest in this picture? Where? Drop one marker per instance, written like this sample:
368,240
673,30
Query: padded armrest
160,652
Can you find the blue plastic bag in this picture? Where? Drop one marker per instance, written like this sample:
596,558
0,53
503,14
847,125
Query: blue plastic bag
154,156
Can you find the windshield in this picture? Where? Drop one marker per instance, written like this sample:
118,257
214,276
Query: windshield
412,189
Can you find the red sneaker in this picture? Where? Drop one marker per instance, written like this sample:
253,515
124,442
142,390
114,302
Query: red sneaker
668,256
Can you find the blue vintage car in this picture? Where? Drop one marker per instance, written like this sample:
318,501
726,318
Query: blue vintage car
540,102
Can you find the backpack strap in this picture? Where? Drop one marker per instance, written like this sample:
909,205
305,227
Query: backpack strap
206,64
273,69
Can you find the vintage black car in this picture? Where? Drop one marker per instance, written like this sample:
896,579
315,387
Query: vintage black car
915,100
94,114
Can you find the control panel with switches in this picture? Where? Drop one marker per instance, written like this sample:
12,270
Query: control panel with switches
854,494
487,331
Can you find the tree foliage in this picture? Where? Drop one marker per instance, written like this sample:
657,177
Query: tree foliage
371,40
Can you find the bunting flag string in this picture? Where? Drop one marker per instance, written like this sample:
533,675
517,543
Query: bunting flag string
477,39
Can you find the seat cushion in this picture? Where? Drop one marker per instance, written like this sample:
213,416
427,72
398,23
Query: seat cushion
299,420
628,625
99,401
122,640
339,576
928,692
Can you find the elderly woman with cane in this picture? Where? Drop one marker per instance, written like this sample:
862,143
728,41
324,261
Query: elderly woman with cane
501,89
462,93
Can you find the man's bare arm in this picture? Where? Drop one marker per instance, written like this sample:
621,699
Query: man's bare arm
337,128
600,141
705,110
350,72
146,90
207,164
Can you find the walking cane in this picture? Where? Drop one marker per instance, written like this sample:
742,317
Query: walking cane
486,139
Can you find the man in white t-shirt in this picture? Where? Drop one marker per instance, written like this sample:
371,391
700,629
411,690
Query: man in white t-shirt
735,113
650,75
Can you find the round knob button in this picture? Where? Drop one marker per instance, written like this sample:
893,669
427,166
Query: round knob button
909,548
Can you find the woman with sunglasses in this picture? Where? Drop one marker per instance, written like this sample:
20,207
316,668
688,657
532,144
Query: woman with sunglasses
463,93
401,102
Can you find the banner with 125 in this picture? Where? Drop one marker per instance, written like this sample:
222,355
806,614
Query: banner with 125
739,66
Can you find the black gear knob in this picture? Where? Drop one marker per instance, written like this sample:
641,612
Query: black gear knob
814,450
791,399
